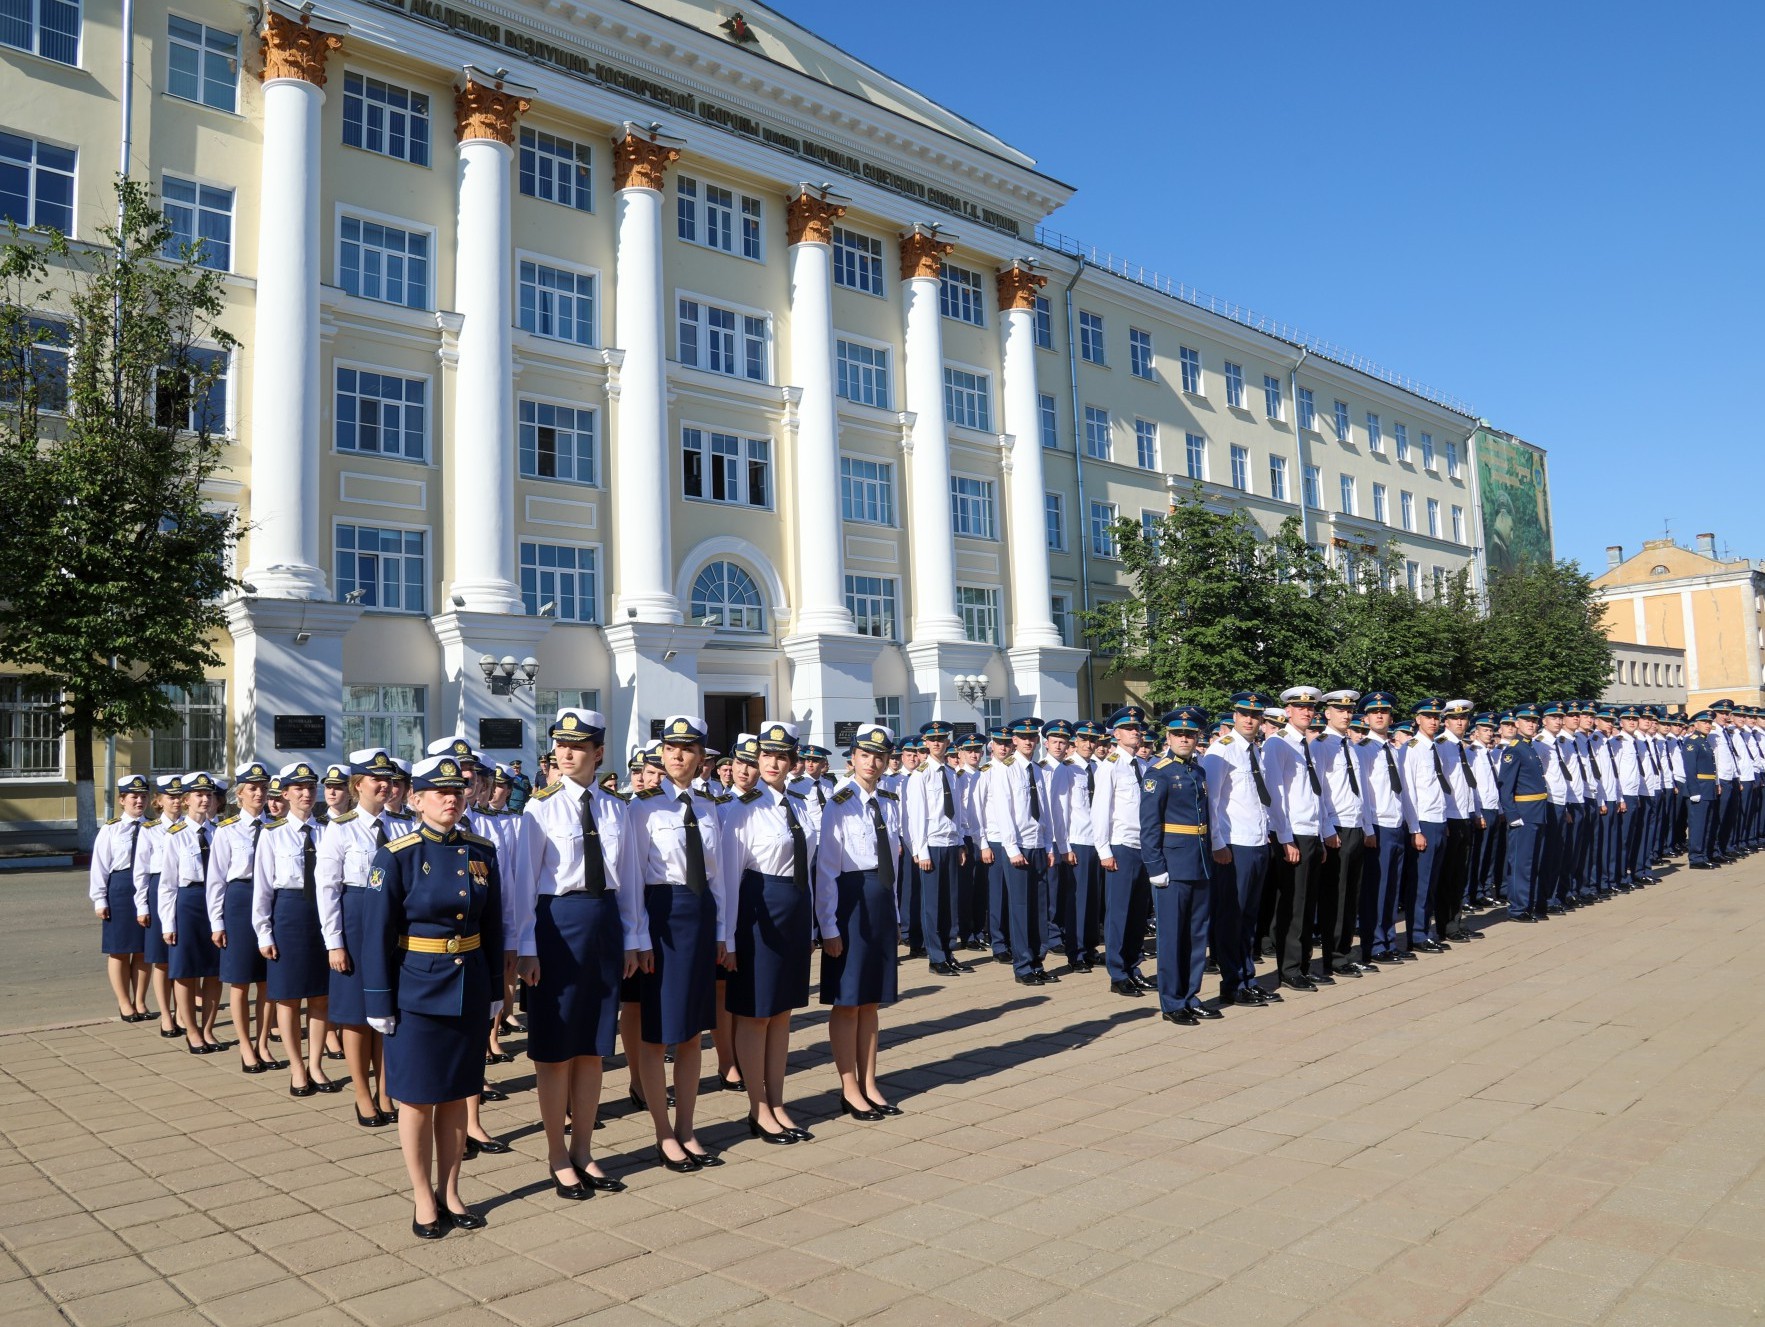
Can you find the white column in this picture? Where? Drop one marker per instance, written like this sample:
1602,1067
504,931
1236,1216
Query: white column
644,567
1025,525
482,482
929,535
821,587
286,558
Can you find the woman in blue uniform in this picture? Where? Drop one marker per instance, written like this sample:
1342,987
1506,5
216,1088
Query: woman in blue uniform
431,959
581,928
769,844
860,927
346,855
182,905
168,800
111,887
232,863
285,915
691,921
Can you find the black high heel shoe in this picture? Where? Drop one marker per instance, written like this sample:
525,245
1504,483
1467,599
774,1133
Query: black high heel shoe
466,1220
434,1230
374,1121
175,1032
780,1139
801,1134
577,1192
257,1068
303,1090
878,1106
605,1183
327,1085
686,1167
868,1114
199,1048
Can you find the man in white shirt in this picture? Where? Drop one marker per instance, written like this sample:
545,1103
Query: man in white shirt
1491,843
1021,834
1424,771
971,880
1464,820
1398,833
1311,816
1338,893
1115,822
1074,787
936,831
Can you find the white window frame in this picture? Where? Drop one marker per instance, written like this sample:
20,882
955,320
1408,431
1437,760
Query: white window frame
744,461
989,498
578,270
581,172
428,116
36,168
1273,398
994,605
42,774
1381,504
1375,433
1400,434
1060,613
744,243
1348,495
1406,510
763,609
1092,334
1043,320
1189,359
1100,529
1054,520
35,24
202,80
882,348
1095,414
390,717
1141,356
1429,461
1458,524
884,485
359,367
229,425
1452,459
597,455
598,575
1308,410
984,390
1313,491
1240,459
1234,385
197,210
1048,420
1195,456
347,211
184,708
429,568
888,599
1146,443
1434,518
741,333
1278,477
867,260
1339,420
973,299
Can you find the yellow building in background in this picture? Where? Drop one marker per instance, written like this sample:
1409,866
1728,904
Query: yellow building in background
1695,600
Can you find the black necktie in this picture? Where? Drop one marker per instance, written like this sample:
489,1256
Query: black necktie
379,832
885,855
820,797
1090,780
1348,762
594,865
1262,788
1035,793
949,796
309,856
1391,769
1311,770
695,846
1465,762
134,838
202,838
1439,769
799,846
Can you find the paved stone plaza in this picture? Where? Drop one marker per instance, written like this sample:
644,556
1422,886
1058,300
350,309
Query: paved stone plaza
1561,1124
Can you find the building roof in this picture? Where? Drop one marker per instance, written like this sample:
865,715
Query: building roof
1662,560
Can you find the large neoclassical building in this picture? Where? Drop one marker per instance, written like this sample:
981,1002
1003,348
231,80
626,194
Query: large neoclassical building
676,349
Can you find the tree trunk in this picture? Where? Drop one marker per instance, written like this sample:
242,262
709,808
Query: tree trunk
85,790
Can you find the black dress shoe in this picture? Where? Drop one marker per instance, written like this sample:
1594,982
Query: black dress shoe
803,1135
1210,966
686,1167
1001,958
175,1032
1206,1012
1350,970
1182,1017
1141,981
1032,979
1478,935
1273,997
782,1138
1523,917
1125,988
334,1055
488,1146
1248,997
493,1094
327,1085
1047,976
1427,946
946,969
868,1113
877,1105
918,951
1323,979
576,1193
374,1121
467,1220
434,1230
304,1090
605,1183
731,1084
704,1160
1299,983
257,1068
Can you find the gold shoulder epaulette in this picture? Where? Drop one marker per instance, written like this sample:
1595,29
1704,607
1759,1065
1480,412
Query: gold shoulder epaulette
884,792
230,820
113,820
650,792
479,839
403,842
275,824
345,818
174,828
749,796
550,790
843,795
1226,739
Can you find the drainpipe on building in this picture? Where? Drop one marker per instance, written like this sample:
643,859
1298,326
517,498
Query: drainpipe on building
1299,443
126,148
1081,517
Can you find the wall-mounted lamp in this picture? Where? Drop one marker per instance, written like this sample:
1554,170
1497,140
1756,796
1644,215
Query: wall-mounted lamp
504,676
972,687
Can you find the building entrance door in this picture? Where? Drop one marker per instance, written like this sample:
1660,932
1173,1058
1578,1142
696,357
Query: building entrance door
728,716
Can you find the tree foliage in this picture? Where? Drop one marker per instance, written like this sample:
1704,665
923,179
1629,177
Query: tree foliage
113,561
1218,608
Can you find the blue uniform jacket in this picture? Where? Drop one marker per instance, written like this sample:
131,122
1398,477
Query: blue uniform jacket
1700,766
1521,774
436,886
1173,797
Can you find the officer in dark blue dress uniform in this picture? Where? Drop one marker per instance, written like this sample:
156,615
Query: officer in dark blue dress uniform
1525,805
1175,846
1700,791
431,960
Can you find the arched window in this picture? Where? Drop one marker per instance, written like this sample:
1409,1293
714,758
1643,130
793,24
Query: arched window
1660,569
726,596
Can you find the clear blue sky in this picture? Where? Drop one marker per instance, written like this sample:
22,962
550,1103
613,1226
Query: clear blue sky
1551,210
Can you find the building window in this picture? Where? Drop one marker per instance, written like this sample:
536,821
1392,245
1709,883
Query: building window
1190,361
1314,488
1139,353
722,340
45,363
980,614
887,710
1412,576
562,575
1438,575
201,221
1458,525
385,118
1044,323
863,373
1103,519
960,295
1060,610
1050,421
556,304
184,409
1308,410
1348,495
1452,460
871,602
1341,421
857,261
1091,337
1427,451
382,414
867,491
1278,477
49,28
1379,503
1097,440
1195,455
1146,444
388,716
1434,517
197,738
202,63
1241,468
1401,435
1234,385
558,442
555,169
547,702
29,712
1149,527
36,183
967,399
1054,518
715,217
972,509
1375,434
384,263
724,595
721,467
387,566
1406,509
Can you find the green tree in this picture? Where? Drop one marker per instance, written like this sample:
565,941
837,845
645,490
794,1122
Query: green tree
1542,637
113,562
1386,638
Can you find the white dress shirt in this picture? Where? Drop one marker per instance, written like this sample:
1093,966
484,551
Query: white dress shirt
922,804
280,852
232,856
180,864
757,833
1486,760
1453,754
1429,793
1236,814
346,855
147,858
110,852
1388,787
658,828
1115,807
1068,788
848,843
1284,760
1335,754
550,859
1009,823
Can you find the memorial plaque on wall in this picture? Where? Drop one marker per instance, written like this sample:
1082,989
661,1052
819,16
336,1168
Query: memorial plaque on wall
845,733
501,734
300,732
655,730
963,727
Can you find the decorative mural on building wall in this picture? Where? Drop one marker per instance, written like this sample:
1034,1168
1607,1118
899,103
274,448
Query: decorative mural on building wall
1516,501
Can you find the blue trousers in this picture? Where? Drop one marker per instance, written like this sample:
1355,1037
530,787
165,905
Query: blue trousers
1728,808
1525,849
1381,882
1699,824
912,895
998,905
1235,900
1492,864
1073,902
937,899
1550,857
1635,828
1026,906
1183,908
1421,872
1126,901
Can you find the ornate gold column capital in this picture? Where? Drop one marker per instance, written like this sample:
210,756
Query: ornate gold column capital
642,163
294,48
809,219
486,107
1017,286
923,253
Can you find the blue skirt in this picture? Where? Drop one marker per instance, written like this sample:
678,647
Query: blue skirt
155,949
301,970
431,1059
581,949
122,933
196,955
678,1000
864,973
771,948
241,964
348,1007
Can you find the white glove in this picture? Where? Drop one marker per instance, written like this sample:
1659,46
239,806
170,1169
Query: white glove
1515,824
1160,881
1696,798
384,1026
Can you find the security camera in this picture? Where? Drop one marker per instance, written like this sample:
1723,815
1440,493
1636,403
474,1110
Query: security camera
459,600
